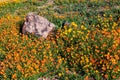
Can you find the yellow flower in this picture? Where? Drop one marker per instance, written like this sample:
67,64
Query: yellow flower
60,74
87,60
80,32
86,66
113,61
69,30
66,78
104,15
83,38
74,24
65,32
114,25
83,27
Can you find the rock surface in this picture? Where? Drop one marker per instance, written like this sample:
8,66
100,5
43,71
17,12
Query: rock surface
37,25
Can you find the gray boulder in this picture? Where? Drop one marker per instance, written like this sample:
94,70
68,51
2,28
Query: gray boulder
37,25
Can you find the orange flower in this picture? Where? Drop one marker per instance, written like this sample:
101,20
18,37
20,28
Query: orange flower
106,76
97,51
113,61
96,47
116,69
43,62
33,51
116,57
14,76
36,66
26,75
92,59
2,72
108,56
68,49
104,68
86,78
29,62
9,56
113,77
48,46
19,67
22,59
118,51
104,45
31,69
118,30
111,18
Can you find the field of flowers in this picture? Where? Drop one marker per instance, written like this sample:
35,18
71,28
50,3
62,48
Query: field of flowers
85,44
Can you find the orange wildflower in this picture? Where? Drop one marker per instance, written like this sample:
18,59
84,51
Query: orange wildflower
97,51
19,67
116,69
104,68
108,56
29,62
86,78
68,49
14,76
9,56
106,76
92,59
118,30
113,77
33,51
116,57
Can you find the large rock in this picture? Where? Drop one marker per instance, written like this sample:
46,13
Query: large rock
37,25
